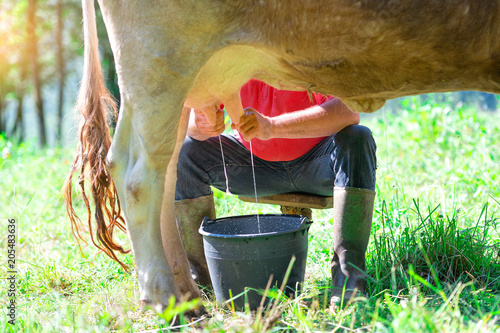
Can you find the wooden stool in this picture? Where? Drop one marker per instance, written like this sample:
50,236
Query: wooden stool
295,203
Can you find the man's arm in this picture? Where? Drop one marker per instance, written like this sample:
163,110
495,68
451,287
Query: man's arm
317,121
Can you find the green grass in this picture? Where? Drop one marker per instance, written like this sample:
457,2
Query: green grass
433,255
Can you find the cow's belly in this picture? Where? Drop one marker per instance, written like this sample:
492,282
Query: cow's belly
363,80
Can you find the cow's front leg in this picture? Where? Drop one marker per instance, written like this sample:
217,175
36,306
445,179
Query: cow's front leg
141,151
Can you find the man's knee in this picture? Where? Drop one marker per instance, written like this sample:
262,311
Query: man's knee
357,132
355,155
357,136
192,178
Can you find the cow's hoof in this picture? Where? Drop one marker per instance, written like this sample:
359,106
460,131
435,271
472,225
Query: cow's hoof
189,289
195,313
189,316
157,289
145,304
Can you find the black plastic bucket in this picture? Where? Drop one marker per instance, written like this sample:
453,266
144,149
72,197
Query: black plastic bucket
242,251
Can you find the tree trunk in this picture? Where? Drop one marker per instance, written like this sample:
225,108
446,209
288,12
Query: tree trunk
18,128
60,69
18,124
33,53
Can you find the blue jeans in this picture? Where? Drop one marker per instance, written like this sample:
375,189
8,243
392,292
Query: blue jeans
345,159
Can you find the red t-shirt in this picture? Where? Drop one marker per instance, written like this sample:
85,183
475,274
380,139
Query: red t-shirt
272,102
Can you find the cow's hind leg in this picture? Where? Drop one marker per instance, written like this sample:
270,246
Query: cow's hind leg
140,153
172,244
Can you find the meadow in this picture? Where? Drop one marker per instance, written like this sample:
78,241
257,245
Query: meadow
434,254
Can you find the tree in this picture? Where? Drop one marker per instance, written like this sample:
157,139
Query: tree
20,92
60,68
9,44
35,69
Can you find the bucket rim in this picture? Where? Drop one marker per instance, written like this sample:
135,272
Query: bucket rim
304,224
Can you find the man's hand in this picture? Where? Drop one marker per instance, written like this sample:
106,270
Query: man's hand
254,125
200,128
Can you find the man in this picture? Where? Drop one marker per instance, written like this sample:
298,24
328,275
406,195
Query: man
300,144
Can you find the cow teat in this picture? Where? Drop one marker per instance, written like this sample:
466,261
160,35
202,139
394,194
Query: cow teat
234,108
368,105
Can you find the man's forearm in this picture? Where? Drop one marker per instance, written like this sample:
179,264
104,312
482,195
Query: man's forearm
318,121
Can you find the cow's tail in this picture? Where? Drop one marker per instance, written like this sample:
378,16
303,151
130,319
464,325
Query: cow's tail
94,103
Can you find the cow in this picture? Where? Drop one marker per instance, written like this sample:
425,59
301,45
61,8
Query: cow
175,55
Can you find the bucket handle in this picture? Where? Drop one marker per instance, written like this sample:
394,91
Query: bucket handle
305,221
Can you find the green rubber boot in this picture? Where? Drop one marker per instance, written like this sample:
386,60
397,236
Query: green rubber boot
189,214
352,220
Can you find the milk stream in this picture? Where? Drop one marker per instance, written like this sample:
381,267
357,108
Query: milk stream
254,184
224,165
253,175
